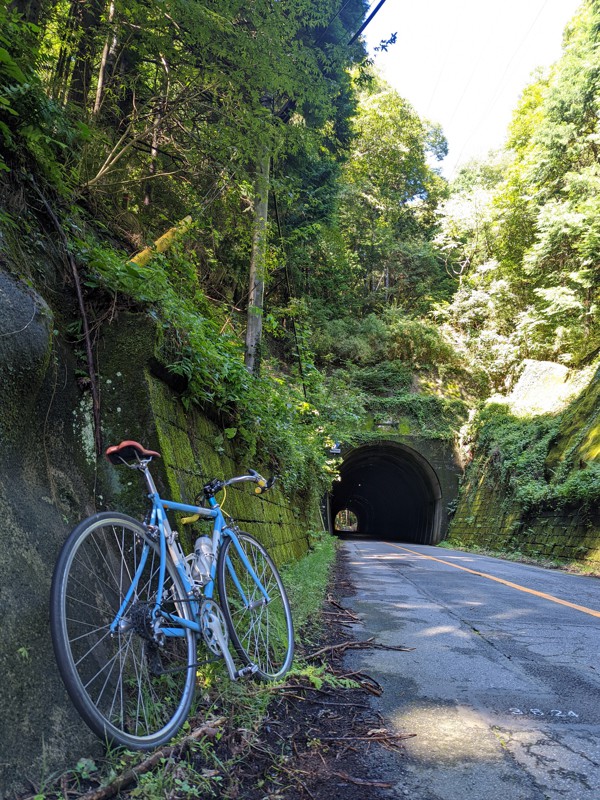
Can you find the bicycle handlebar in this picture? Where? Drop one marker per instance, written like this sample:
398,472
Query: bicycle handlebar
252,475
264,484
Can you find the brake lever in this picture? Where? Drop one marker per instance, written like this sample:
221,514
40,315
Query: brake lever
263,487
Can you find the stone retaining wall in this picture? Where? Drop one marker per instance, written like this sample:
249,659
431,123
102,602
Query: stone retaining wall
489,515
50,479
485,518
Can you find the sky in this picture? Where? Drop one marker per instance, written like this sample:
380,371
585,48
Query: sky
464,63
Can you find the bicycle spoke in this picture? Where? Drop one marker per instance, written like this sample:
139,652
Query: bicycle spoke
261,630
119,685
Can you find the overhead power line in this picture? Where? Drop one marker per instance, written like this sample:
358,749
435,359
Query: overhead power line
365,23
500,85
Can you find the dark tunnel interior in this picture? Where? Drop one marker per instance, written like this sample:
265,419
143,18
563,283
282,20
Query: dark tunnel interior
393,492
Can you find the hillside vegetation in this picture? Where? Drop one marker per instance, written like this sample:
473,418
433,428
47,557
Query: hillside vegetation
390,294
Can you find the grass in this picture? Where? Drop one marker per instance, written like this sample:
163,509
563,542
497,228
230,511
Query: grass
306,580
206,767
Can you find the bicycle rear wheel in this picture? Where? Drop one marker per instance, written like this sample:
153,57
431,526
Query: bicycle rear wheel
261,630
128,688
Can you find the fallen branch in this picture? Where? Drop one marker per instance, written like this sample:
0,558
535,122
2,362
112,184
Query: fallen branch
163,243
381,737
345,610
350,645
131,775
362,782
340,617
365,681
317,702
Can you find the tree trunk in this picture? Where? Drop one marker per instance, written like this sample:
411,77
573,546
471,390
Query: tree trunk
258,266
156,128
109,44
90,17
60,77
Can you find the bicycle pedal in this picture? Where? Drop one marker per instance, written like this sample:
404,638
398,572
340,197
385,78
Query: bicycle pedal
246,672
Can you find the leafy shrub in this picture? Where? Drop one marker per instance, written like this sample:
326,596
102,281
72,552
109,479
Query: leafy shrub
360,341
517,449
32,127
382,378
270,415
582,487
417,342
517,452
434,416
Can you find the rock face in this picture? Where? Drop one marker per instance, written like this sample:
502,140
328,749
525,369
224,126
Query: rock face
562,521
42,488
51,478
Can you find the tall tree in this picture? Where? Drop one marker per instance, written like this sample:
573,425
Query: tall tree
535,291
390,193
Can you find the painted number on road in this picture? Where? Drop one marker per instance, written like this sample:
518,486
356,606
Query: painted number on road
537,712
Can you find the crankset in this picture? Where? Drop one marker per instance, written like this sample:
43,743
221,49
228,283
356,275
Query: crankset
214,631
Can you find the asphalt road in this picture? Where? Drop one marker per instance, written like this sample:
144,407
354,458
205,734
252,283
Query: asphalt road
503,687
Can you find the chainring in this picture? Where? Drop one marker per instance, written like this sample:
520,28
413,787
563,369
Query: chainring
210,616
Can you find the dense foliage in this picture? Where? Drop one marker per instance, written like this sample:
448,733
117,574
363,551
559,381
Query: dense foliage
410,298
520,232
129,116
522,229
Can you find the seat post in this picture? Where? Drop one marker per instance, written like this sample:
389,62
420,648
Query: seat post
148,477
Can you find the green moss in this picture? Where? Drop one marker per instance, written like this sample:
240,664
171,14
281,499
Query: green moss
590,447
194,452
419,414
529,488
579,436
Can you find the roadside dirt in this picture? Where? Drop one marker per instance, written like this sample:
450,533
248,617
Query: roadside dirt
320,739
323,742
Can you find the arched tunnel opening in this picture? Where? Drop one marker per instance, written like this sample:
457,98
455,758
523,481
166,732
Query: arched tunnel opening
390,491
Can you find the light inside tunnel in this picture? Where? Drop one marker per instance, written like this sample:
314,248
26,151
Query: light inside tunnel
345,521
393,492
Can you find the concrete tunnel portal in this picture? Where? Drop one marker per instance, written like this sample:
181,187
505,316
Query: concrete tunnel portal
391,492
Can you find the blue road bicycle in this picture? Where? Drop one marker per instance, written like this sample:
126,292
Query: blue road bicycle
127,607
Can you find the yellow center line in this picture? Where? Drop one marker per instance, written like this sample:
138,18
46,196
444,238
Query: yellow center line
543,595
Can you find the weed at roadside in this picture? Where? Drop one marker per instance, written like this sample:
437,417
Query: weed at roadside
574,567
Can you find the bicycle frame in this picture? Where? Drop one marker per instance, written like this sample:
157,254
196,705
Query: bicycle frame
134,617
167,541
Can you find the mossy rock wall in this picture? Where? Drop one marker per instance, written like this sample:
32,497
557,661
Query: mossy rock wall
486,518
50,478
564,526
195,451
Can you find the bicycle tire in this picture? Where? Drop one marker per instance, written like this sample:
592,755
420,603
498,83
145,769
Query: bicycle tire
262,633
129,690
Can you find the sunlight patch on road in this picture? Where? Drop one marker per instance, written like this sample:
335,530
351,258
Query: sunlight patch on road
441,630
387,557
447,735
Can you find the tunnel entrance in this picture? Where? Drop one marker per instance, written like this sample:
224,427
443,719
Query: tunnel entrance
392,491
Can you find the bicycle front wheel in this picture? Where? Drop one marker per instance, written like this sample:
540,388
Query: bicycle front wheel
130,686
258,615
